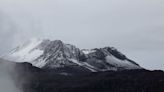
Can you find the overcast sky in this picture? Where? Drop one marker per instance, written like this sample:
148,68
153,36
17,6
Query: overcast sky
135,27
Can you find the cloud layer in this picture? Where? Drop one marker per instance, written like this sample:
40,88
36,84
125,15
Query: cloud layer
134,26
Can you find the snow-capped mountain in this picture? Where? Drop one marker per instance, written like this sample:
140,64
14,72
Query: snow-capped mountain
56,54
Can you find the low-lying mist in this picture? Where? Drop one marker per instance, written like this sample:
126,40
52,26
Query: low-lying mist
7,82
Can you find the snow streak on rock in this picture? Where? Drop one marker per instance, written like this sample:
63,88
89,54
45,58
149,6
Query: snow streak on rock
56,54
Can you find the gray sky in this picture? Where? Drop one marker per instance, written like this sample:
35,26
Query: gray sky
135,27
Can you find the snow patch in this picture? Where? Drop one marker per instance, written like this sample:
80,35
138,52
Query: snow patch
90,67
84,64
86,51
120,63
76,62
39,63
27,53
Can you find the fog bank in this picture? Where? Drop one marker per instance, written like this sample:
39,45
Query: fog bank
7,84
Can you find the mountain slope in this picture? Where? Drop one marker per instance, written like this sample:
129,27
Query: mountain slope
32,79
39,80
58,55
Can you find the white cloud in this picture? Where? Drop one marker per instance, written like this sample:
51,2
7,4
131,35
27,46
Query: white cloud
126,24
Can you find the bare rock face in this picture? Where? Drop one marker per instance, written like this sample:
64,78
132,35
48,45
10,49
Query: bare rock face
58,55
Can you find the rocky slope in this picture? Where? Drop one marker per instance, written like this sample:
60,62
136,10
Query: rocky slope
58,55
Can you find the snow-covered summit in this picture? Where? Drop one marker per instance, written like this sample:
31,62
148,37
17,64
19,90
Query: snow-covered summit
56,54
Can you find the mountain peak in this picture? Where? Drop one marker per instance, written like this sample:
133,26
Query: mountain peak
56,54
58,41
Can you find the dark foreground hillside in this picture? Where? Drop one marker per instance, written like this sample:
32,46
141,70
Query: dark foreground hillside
36,80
